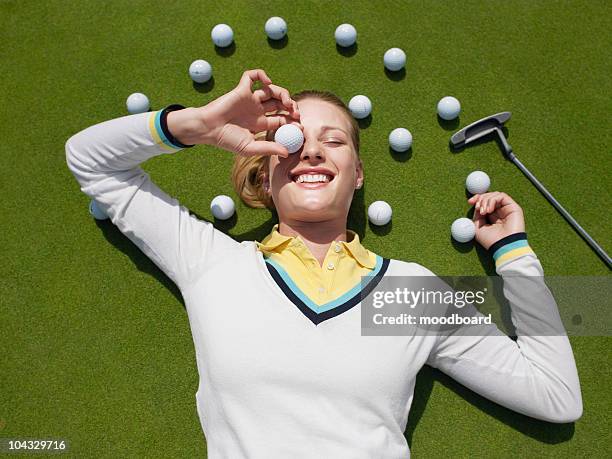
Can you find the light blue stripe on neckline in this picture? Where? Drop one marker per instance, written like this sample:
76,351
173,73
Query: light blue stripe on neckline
332,304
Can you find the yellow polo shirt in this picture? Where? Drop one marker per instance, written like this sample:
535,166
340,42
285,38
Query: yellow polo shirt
344,265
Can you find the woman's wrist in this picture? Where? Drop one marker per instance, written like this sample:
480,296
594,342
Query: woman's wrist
189,126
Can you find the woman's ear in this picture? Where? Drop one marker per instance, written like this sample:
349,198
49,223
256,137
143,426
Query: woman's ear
266,183
359,183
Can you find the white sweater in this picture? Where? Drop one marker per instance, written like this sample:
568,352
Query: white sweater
272,383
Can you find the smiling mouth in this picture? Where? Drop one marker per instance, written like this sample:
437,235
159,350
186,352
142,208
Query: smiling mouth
312,179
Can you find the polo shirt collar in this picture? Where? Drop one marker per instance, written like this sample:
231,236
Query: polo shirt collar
276,242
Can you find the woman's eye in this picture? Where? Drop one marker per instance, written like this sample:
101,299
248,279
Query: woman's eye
333,141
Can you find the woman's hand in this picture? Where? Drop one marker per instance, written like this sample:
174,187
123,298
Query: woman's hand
230,121
496,216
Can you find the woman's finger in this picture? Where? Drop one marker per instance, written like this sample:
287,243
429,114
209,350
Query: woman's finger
482,205
263,94
495,200
272,105
479,220
251,76
273,122
283,95
265,148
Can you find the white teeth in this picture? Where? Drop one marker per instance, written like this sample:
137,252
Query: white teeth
312,178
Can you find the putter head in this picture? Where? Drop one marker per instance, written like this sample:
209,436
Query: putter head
479,129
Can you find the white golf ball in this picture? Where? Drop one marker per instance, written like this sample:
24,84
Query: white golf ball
395,59
290,136
137,103
360,106
346,35
222,207
449,108
379,213
463,230
400,139
478,182
200,71
276,28
96,211
222,35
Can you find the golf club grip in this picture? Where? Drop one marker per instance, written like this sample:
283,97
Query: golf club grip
594,245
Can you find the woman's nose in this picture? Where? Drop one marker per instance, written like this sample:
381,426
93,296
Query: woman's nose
311,150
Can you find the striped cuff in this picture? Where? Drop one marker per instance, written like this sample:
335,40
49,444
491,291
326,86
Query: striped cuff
509,248
158,127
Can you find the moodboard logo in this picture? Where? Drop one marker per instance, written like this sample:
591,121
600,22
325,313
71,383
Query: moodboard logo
485,305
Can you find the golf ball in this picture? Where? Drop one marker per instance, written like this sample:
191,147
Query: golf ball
449,108
276,28
137,103
463,230
222,207
290,136
222,35
478,182
200,71
346,35
395,59
95,210
379,213
400,140
360,106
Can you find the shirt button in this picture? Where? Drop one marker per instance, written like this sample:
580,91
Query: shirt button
330,266
337,248
321,289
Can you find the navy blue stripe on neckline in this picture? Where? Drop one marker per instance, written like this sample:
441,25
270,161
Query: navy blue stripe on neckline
315,317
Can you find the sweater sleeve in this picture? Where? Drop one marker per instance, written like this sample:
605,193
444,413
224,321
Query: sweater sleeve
534,375
105,159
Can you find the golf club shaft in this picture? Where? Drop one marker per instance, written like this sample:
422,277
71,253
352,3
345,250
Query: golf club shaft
594,245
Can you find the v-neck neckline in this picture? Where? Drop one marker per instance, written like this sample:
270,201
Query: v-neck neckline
285,287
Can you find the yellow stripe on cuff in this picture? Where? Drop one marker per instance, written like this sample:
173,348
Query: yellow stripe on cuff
156,137
512,255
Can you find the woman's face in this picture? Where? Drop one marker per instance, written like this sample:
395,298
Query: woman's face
328,150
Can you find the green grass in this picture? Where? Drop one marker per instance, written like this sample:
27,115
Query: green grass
96,342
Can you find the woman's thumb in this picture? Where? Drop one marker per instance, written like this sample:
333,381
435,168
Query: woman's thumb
265,148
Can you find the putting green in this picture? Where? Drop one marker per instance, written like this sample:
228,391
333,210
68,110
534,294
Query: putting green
96,343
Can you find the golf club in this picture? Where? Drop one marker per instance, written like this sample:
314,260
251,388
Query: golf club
493,125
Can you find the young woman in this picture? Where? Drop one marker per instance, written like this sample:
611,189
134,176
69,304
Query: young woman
284,370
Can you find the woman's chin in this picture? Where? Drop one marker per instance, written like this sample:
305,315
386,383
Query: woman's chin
311,208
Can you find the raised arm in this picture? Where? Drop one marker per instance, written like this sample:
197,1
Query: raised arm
536,375
105,159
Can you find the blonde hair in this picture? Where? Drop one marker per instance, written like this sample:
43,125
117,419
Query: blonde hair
248,171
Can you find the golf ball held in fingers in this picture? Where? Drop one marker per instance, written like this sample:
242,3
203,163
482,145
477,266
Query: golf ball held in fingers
137,103
379,213
463,230
222,207
200,71
400,140
222,35
360,106
290,136
276,28
478,182
394,59
449,108
346,35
